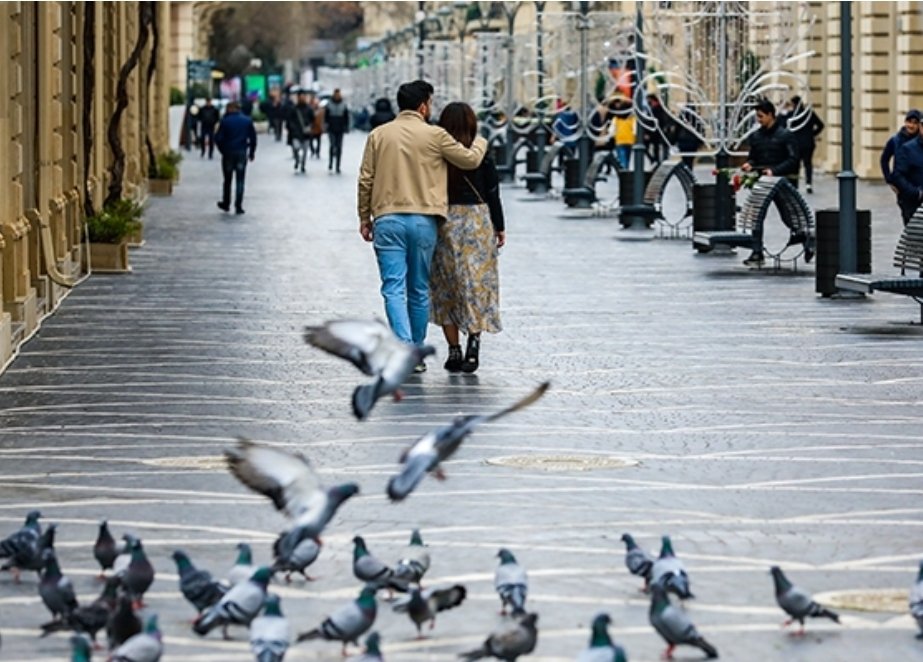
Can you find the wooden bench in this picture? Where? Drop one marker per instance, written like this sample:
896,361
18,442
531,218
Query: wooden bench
792,207
908,257
656,187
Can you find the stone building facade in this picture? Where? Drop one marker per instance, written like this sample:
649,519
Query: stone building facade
59,69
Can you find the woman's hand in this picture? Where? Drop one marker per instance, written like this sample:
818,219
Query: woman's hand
501,238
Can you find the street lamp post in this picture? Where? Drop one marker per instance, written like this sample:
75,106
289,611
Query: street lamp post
420,19
508,171
460,10
585,144
540,137
847,178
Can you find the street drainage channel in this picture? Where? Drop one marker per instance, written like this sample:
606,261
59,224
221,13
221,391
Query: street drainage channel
563,462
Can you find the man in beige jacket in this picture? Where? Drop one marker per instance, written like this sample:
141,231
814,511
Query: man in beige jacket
402,197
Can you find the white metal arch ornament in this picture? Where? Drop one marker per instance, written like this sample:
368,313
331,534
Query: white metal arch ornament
709,62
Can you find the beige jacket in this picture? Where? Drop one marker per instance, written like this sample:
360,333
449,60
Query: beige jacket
404,167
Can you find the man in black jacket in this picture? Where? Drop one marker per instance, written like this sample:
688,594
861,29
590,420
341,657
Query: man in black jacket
236,140
908,133
208,122
774,153
299,121
908,177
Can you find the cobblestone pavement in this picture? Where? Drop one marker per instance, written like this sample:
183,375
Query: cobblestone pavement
758,424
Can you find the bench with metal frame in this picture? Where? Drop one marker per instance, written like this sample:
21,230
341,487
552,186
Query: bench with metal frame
653,194
587,192
540,181
791,206
908,257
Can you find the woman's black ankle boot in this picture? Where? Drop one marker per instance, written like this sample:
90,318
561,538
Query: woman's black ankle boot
471,353
455,360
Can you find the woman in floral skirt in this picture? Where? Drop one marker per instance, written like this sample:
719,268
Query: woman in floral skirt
464,279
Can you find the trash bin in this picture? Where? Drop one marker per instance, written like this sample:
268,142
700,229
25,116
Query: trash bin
627,196
704,209
827,265
531,166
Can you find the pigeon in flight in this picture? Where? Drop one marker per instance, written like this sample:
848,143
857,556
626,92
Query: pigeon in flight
670,571
674,625
797,603
294,488
601,648
509,642
437,446
637,560
511,583
371,346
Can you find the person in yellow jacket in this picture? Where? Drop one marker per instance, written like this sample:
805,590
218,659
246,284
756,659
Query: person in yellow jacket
623,132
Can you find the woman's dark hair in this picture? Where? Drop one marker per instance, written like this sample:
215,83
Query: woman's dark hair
460,122
411,95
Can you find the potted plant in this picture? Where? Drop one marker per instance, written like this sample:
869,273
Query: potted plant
260,121
108,233
164,173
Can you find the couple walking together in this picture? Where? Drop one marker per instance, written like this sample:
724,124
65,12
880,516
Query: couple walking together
429,201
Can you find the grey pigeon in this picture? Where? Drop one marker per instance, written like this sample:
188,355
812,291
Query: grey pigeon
80,648
105,550
637,560
123,622
509,642
674,625
349,622
414,562
120,565
422,606
371,570
372,652
436,446
243,567
239,606
270,634
602,648
670,571
511,583
25,548
196,585
139,575
298,559
294,488
143,647
371,346
56,590
916,601
795,602
90,618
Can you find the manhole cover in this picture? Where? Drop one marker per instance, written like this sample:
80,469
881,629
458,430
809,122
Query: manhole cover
563,462
207,462
888,600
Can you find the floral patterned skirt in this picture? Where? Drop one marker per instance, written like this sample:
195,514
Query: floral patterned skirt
464,279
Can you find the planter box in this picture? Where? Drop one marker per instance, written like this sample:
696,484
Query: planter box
108,258
160,186
136,239
261,127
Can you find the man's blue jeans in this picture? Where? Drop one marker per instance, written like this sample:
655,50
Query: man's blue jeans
404,245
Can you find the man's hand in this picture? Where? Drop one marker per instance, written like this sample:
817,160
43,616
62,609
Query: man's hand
365,230
768,172
501,238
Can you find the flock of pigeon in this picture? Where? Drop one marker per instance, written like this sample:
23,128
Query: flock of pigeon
289,481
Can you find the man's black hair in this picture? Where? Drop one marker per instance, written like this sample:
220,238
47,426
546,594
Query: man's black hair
766,107
411,95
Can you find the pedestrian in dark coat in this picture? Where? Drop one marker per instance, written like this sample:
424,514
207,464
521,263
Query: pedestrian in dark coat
806,138
208,122
236,140
383,113
300,123
908,132
908,177
336,123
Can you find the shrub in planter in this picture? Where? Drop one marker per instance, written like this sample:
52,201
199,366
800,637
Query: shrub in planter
108,232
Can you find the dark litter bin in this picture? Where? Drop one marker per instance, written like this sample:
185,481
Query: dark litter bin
827,266
704,209
627,198
531,166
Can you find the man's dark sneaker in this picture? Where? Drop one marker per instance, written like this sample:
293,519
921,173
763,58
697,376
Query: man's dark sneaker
754,260
239,210
224,207
455,360
420,367
809,188
808,253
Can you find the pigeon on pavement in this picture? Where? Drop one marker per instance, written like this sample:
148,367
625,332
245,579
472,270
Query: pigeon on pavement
436,446
371,570
23,549
422,606
371,346
349,622
56,590
637,560
80,648
601,648
196,585
243,567
511,583
509,642
239,606
674,625
916,601
143,647
139,575
105,550
795,602
270,634
304,554
372,652
294,488
123,622
90,618
120,565
414,563
667,564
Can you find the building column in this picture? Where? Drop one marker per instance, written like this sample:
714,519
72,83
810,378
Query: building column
875,80
909,60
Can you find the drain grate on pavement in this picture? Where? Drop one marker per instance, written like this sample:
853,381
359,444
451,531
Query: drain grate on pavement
563,462
887,600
